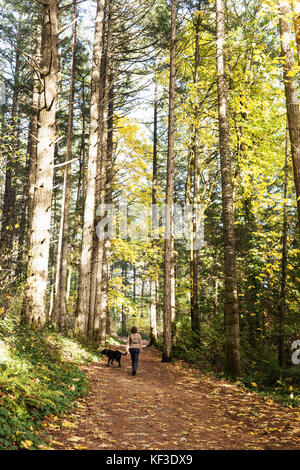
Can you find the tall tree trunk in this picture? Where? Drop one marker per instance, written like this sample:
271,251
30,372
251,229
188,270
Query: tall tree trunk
83,303
57,240
60,295
123,315
20,271
33,132
53,245
231,301
80,193
37,270
142,298
216,297
100,282
169,276
153,303
188,202
134,284
282,304
194,251
81,179
97,263
9,216
291,92
108,198
153,313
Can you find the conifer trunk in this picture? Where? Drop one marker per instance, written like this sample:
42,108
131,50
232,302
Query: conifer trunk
291,92
60,305
284,256
169,275
99,327
153,303
196,189
83,302
231,300
33,126
108,199
9,216
37,270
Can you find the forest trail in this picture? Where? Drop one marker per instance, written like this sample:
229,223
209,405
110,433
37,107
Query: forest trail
170,406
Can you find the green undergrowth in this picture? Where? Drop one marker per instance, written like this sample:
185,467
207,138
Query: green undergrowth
113,340
39,376
260,370
267,378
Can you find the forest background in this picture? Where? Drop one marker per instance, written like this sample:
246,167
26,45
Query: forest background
193,103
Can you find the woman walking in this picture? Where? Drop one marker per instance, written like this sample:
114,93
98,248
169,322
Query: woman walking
134,346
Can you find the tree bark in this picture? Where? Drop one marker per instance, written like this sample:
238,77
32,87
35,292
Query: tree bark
153,303
123,314
9,197
196,188
99,326
108,200
291,92
37,270
169,275
134,284
60,305
282,304
83,303
33,132
80,187
231,301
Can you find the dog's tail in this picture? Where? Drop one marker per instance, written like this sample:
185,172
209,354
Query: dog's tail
123,354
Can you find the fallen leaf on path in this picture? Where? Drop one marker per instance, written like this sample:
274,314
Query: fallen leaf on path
68,424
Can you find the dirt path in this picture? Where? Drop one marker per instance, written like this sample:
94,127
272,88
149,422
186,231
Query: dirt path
171,406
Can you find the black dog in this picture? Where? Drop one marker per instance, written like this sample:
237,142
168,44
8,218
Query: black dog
113,355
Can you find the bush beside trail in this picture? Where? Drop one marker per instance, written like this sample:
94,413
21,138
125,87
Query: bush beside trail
40,378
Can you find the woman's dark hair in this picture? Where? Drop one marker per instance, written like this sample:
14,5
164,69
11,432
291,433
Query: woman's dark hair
133,330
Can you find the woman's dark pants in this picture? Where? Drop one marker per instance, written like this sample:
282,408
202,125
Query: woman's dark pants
134,352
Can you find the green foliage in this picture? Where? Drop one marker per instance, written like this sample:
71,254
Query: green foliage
261,372
204,348
39,376
268,378
114,340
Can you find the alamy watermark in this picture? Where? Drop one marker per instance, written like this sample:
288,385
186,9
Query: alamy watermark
154,221
296,354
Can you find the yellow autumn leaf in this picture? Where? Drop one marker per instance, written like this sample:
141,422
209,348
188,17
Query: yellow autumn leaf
53,426
68,424
26,444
